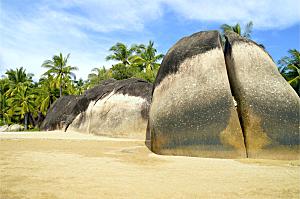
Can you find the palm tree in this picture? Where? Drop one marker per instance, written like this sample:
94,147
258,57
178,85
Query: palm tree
121,53
23,104
46,93
80,86
290,69
97,76
19,75
5,113
17,78
120,71
147,60
59,69
237,29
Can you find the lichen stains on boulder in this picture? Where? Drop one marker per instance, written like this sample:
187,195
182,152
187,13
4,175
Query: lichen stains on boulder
192,103
185,48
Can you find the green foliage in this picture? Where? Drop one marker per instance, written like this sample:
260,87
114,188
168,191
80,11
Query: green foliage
98,75
23,103
147,61
5,112
16,97
62,73
79,87
289,67
237,29
26,102
121,53
46,93
121,71
138,61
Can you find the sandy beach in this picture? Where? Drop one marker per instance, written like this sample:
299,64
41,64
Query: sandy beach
72,165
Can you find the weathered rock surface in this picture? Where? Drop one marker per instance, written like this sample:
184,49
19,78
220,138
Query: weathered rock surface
4,128
114,108
63,111
15,127
267,104
192,111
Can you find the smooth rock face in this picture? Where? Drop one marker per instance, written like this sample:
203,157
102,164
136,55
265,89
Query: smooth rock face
116,108
267,104
192,111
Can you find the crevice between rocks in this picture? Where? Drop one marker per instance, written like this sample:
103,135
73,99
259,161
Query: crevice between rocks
230,75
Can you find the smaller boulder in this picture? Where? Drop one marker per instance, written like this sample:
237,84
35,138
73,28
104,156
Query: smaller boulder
15,127
4,128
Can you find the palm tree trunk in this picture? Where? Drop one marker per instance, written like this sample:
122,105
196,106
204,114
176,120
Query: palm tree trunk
26,121
60,90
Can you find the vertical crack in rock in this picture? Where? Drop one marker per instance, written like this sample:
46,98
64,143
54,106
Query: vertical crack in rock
232,88
192,112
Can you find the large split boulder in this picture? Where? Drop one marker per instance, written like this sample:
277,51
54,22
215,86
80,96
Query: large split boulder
267,104
192,111
113,108
116,108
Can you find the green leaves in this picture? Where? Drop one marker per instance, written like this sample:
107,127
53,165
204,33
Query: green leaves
147,61
98,75
121,71
21,100
59,69
15,98
237,29
138,61
289,67
120,53
248,30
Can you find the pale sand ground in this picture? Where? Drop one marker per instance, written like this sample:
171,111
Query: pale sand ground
72,165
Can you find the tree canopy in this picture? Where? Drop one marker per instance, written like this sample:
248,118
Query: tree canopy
237,29
289,67
62,73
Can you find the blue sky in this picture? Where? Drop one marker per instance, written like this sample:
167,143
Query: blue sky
32,31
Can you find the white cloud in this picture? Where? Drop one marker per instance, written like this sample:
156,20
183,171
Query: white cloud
82,28
266,14
31,33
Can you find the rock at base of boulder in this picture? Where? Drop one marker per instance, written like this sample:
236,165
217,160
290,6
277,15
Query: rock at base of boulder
15,127
4,128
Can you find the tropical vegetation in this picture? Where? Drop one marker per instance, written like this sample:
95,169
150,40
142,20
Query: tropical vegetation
289,67
237,29
58,68
25,101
